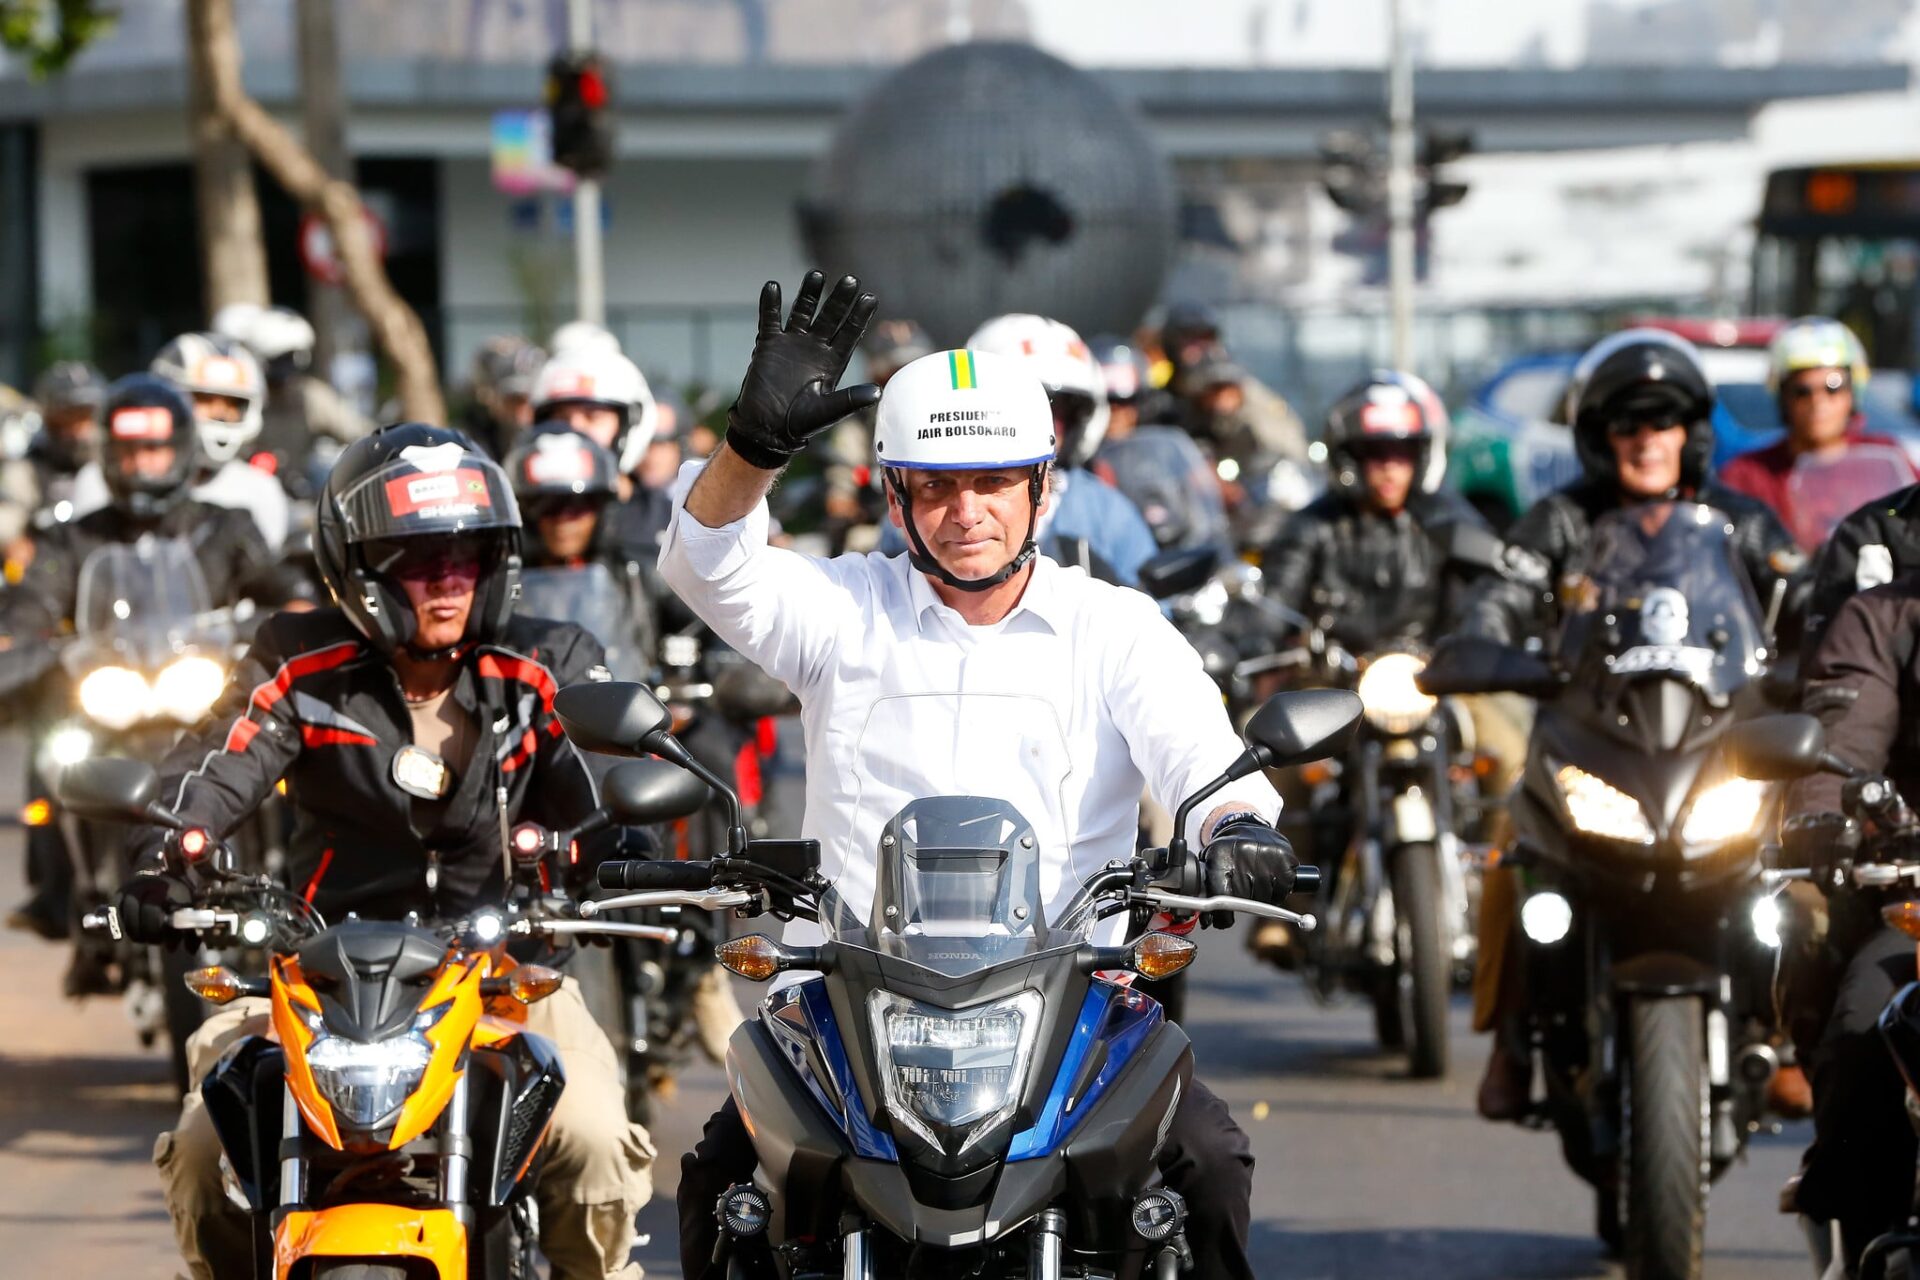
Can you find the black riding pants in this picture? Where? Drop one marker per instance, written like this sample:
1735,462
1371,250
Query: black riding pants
1207,1159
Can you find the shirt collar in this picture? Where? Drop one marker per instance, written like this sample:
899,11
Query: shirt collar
1041,599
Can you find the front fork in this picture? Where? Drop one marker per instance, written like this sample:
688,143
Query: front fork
1401,791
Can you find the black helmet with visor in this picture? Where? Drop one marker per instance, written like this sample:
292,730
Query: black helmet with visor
144,413
411,493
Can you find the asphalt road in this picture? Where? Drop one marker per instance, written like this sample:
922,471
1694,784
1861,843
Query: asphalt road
1362,1173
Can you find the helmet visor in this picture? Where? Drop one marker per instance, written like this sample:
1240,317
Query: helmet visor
442,490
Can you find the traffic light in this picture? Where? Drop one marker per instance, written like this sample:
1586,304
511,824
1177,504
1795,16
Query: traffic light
1353,173
577,98
1440,147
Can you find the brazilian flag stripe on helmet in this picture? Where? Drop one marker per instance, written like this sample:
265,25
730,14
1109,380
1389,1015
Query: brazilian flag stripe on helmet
960,365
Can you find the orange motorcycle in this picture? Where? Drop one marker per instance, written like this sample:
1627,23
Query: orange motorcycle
390,1125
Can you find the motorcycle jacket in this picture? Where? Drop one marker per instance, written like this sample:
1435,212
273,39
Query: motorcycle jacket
317,705
1377,577
227,546
1876,544
1549,539
1863,682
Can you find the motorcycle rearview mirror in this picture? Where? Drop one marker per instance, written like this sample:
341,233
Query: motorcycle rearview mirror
621,718
744,693
643,792
114,789
1473,664
1177,572
1781,748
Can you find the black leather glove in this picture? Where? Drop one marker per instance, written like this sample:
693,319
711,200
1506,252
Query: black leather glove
1819,842
788,395
1246,859
146,905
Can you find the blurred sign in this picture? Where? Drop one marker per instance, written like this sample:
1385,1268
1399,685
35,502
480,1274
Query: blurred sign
523,155
321,257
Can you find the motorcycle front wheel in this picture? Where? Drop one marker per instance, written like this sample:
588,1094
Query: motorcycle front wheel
1424,969
1666,1164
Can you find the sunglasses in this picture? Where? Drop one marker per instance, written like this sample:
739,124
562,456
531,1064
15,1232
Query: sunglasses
1833,384
1628,428
424,559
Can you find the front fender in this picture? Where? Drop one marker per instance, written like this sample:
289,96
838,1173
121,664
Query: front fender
1665,973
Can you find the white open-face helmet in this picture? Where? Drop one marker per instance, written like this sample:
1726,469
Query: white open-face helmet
1075,385
216,365
600,376
582,335
964,411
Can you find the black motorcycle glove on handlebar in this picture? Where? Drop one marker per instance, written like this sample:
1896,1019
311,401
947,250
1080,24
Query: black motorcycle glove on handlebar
1818,842
146,905
1246,859
788,395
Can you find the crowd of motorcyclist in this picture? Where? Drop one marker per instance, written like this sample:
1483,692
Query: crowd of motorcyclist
435,697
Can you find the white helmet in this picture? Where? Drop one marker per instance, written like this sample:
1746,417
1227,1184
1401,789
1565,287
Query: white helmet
281,331
213,364
236,320
963,411
601,376
583,335
1054,353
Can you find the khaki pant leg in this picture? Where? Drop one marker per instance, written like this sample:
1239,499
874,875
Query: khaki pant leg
716,1014
1502,724
598,1171
214,1235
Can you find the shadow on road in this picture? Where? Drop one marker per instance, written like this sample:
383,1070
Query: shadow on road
1434,1254
84,1108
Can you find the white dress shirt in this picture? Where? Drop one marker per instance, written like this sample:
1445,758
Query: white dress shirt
1081,696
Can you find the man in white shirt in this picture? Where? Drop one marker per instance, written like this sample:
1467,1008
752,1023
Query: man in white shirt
1101,695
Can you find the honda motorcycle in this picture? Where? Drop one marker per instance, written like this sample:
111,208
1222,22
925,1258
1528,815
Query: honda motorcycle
1646,937
964,1088
391,1120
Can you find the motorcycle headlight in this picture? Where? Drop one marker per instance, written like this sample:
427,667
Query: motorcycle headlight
69,744
953,1074
188,687
1599,808
366,1083
1393,702
114,696
1725,811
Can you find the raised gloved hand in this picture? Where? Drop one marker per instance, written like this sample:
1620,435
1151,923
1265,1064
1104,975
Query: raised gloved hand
1246,859
788,395
146,905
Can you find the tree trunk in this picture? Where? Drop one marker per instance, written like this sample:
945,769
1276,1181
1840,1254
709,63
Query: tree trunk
324,119
395,325
233,257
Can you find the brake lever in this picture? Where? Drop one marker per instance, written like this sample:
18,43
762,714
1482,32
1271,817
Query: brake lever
1305,922
612,928
705,900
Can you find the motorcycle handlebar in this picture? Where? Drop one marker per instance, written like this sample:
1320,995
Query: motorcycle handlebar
650,873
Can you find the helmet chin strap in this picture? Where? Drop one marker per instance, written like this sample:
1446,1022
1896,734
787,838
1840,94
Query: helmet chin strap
920,558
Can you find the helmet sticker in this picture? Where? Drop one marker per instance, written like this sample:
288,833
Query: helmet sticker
571,384
221,371
559,459
960,366
1389,409
439,494
141,423
1663,616
436,457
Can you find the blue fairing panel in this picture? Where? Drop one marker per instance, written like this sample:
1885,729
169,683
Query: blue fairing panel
1118,1019
802,1016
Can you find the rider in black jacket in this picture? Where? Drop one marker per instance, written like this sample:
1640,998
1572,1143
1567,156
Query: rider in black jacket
151,447
1641,407
1371,552
413,725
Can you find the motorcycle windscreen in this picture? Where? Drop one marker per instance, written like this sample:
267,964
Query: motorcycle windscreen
144,602
962,802
590,596
1821,492
1171,482
1663,598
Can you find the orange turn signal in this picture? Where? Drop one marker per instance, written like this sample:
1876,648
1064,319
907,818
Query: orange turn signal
1904,916
216,984
36,813
755,957
1161,955
530,983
